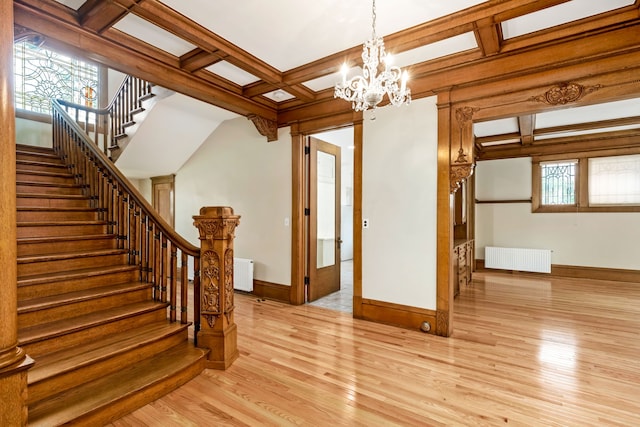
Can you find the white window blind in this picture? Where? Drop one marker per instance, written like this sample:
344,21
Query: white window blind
614,180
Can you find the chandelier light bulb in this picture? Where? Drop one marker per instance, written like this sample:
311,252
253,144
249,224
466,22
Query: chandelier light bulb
368,90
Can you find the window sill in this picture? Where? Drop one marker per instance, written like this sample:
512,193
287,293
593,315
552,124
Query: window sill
581,209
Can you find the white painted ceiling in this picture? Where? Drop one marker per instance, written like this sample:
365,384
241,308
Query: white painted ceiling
289,33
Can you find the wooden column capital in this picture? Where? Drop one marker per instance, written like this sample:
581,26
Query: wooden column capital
216,226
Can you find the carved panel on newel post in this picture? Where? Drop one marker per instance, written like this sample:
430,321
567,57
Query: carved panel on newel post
216,226
462,146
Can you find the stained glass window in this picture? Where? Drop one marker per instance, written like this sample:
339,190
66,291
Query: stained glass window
558,182
42,75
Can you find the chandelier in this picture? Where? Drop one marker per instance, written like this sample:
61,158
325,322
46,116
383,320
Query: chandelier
367,91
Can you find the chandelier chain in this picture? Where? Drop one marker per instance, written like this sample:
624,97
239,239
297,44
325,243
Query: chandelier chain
373,20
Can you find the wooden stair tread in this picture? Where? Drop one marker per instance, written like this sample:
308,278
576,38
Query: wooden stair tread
36,279
26,240
47,184
84,400
56,209
44,173
56,328
60,222
35,304
52,196
35,148
56,163
26,259
91,352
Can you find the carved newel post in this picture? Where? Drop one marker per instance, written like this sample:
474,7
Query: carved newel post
218,331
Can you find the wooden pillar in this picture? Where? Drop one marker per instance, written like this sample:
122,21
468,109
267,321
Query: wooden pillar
13,361
218,332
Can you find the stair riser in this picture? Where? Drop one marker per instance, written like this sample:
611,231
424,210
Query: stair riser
51,179
38,348
42,167
60,230
47,388
53,215
23,201
80,308
55,266
65,246
70,285
45,189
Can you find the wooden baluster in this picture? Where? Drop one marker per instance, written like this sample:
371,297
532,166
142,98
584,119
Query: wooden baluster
196,298
153,258
144,248
173,298
163,269
121,218
184,287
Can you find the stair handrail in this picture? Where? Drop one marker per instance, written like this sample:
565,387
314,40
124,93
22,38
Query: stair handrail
125,103
147,237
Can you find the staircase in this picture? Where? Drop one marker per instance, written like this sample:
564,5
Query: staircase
100,335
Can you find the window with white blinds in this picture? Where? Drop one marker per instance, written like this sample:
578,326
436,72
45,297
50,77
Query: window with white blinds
614,180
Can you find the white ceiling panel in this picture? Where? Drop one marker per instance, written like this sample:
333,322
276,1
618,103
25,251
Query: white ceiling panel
435,50
73,4
232,73
495,127
290,33
589,113
156,36
557,15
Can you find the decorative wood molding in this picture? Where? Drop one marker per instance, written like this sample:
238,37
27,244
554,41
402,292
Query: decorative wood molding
215,229
228,283
210,301
462,166
266,127
458,174
480,202
565,93
23,34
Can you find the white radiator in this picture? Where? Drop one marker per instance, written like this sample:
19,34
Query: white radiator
534,260
243,274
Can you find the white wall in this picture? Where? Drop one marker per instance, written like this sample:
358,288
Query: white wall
607,240
29,132
237,167
399,200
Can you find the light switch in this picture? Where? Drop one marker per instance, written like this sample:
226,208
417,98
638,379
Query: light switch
365,223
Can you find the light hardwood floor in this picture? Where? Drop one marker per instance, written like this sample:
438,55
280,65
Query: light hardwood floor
525,351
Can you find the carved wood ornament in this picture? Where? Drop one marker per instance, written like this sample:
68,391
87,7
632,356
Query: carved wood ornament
210,307
23,34
268,128
462,166
564,93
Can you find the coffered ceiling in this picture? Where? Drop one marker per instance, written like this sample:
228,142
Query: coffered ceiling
274,58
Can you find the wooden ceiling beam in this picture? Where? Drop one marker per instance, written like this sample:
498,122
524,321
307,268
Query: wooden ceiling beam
124,59
594,142
198,59
190,31
527,125
488,36
99,15
577,127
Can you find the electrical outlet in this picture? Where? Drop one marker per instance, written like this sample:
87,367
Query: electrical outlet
365,223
